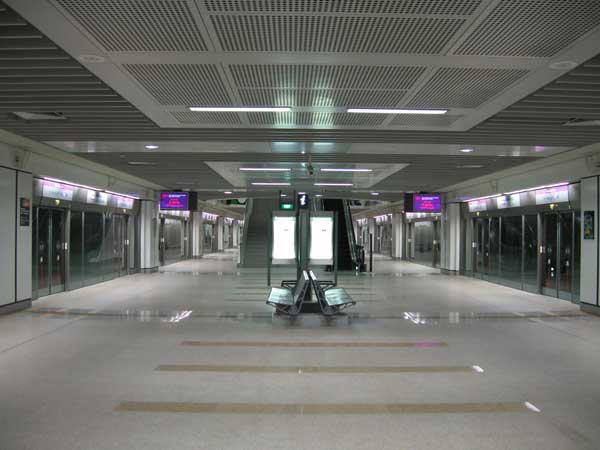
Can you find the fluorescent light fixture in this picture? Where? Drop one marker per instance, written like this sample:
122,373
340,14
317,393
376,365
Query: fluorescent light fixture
123,195
532,407
374,193
548,186
227,192
319,195
56,180
237,109
478,369
265,169
484,198
152,146
301,193
270,184
346,170
397,111
333,184
283,195
582,123
141,163
467,150
470,166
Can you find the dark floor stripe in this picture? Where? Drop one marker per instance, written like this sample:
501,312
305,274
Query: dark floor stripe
312,369
325,408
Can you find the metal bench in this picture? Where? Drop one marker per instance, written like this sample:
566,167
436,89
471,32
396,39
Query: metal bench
332,299
289,297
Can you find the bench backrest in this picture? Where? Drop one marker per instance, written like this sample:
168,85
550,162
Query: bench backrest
317,287
301,287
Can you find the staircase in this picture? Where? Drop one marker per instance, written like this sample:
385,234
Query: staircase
256,232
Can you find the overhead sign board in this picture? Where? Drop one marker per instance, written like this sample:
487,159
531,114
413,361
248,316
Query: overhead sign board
508,201
57,190
303,201
97,197
556,194
427,203
477,205
175,201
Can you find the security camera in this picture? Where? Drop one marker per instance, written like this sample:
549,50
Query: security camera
311,170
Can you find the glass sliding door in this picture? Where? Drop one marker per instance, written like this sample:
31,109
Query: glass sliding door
57,233
171,239
76,250
479,249
530,253
93,232
494,249
511,251
42,248
550,261
423,245
565,256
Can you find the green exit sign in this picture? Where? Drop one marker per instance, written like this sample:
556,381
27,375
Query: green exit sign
287,206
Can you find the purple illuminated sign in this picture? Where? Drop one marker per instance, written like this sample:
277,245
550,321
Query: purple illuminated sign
174,201
427,203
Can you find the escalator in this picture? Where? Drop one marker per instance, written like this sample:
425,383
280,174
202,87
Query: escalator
256,235
348,253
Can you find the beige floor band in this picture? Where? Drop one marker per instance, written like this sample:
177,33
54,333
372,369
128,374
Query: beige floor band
424,344
315,408
312,369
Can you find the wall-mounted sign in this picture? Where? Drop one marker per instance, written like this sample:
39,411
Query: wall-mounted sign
124,202
589,231
57,190
97,197
477,205
508,201
303,201
427,203
321,238
284,238
556,194
179,201
24,211
286,206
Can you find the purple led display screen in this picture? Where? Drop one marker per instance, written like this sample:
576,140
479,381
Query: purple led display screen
175,201
427,203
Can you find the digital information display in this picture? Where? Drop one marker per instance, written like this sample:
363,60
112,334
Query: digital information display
284,238
321,239
556,194
427,203
175,201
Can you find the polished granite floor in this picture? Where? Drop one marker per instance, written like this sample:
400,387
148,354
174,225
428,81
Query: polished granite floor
192,358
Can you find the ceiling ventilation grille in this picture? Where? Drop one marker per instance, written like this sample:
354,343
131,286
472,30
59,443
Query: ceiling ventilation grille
363,98
182,84
534,28
464,88
430,7
341,34
290,76
423,121
316,119
207,118
137,25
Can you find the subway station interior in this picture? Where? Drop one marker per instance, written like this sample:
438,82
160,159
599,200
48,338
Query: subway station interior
299,224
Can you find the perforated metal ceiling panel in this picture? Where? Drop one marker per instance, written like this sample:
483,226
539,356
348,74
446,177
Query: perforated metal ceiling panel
424,121
138,25
533,28
317,119
437,7
213,118
464,88
333,34
182,84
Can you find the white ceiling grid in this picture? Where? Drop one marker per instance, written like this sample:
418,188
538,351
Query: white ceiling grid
179,53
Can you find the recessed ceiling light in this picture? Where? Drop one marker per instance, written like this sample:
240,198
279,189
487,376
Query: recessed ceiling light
237,109
374,193
467,150
333,184
141,163
91,58
470,166
152,146
283,195
270,184
266,169
397,111
319,195
563,65
346,170
227,192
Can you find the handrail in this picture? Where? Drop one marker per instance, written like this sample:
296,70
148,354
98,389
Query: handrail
247,214
350,233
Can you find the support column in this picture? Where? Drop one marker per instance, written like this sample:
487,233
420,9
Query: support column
148,242
197,224
397,235
450,237
235,233
220,231
589,282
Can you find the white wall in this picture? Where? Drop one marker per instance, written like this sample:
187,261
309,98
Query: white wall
589,248
8,184
23,244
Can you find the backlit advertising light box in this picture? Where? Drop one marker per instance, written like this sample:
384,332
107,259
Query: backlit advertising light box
177,201
427,203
